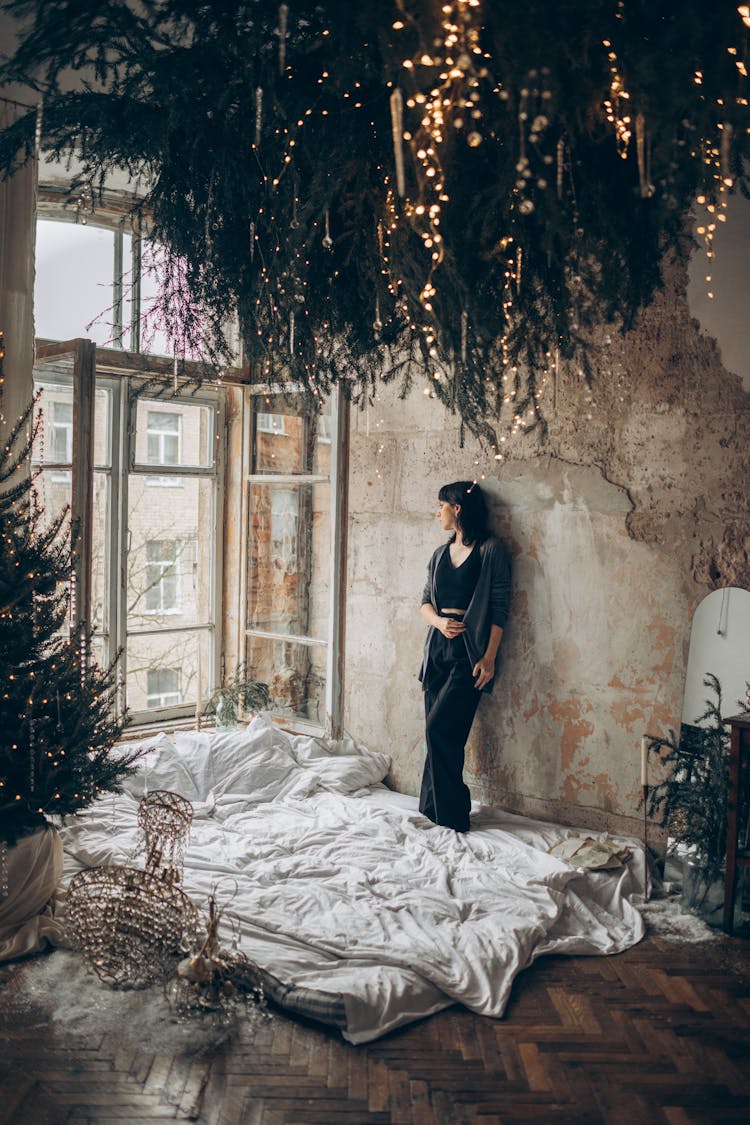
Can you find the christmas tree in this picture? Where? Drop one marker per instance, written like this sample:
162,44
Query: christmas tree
57,720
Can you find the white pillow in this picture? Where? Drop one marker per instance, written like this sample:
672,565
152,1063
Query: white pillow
342,766
162,767
256,762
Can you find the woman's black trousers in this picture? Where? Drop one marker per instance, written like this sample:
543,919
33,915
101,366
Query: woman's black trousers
450,700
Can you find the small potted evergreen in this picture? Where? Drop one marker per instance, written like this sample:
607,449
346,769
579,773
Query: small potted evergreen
238,695
691,802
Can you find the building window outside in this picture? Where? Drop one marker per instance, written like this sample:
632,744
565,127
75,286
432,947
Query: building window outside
163,687
270,423
164,433
61,432
162,576
164,445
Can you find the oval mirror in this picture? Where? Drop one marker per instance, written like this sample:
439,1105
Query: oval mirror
719,644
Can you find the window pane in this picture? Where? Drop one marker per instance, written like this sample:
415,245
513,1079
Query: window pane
102,426
289,438
162,670
53,489
100,652
55,443
170,554
155,335
73,292
289,546
174,433
295,673
163,687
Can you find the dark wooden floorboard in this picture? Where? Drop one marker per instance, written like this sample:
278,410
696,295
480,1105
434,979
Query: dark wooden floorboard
658,1034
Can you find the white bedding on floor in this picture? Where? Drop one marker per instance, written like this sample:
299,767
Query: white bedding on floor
340,885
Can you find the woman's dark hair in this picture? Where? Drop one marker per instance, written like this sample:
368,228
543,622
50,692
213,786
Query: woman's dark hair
473,517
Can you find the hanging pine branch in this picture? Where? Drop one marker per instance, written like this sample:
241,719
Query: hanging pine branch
456,193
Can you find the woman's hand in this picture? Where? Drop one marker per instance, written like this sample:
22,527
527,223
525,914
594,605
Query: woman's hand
483,671
449,627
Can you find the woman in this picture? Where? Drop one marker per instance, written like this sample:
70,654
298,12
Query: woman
465,603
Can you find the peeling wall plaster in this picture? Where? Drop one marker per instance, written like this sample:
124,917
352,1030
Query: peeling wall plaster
618,525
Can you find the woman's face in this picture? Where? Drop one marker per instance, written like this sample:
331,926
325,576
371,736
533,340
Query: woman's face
446,514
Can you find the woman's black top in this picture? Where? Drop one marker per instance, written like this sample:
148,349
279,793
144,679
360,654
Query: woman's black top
455,584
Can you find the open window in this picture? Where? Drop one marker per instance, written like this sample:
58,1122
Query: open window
143,470
294,550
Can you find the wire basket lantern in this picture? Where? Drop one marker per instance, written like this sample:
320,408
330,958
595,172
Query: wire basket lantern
131,925
165,820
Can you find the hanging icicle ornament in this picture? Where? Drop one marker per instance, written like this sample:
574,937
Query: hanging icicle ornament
397,131
32,753
252,240
643,157
283,18
560,166
725,146
291,333
464,335
377,324
258,114
38,129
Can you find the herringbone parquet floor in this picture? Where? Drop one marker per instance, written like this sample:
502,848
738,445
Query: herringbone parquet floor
658,1034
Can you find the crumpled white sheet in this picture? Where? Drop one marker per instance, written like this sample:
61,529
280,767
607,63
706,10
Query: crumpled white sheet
341,885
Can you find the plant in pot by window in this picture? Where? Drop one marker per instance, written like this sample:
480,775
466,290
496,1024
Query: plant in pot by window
57,727
691,802
237,695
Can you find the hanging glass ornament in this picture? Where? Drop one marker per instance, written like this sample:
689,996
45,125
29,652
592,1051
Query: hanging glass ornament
327,240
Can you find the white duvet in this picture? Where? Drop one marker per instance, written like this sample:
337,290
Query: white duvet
340,885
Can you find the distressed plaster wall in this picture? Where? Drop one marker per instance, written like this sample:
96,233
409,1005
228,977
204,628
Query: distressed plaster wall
619,521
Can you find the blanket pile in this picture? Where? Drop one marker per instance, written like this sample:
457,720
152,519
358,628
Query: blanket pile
361,911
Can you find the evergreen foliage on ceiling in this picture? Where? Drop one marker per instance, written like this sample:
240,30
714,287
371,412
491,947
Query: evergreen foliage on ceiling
543,158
